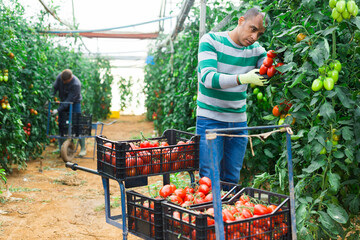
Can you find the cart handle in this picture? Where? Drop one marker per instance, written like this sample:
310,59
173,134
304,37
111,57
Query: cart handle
75,166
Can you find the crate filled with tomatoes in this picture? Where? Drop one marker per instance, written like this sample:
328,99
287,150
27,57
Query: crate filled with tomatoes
145,218
174,151
249,214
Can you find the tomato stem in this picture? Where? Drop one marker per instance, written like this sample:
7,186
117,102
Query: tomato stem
334,44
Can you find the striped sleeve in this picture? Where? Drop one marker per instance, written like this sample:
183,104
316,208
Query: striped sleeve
208,65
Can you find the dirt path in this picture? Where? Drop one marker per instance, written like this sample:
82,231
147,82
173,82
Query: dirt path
59,203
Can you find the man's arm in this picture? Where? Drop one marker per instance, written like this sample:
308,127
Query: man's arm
72,96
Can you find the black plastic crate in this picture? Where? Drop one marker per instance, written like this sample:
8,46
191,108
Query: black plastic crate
144,215
121,160
180,223
80,124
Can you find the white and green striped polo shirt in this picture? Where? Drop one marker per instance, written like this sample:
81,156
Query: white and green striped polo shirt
220,61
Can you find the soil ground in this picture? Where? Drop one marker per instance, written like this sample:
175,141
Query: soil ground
50,201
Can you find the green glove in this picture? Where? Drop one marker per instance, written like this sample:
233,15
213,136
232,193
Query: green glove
251,77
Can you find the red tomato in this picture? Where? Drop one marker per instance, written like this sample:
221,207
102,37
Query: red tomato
245,198
164,144
173,187
271,71
189,189
180,192
206,181
171,154
263,69
227,215
199,195
189,197
156,167
271,54
176,199
146,170
204,188
145,156
276,111
186,204
246,213
268,62
139,166
131,172
154,144
130,162
165,191
145,144
209,197
260,209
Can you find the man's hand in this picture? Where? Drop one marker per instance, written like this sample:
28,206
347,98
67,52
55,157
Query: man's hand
252,77
54,112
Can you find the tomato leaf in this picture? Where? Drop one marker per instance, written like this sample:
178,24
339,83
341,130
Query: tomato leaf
328,31
315,165
328,223
313,132
347,133
353,201
349,154
321,53
268,153
301,213
337,213
299,93
345,101
269,117
356,21
338,154
334,181
327,111
298,80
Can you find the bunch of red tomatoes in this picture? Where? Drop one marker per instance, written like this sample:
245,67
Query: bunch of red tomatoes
269,67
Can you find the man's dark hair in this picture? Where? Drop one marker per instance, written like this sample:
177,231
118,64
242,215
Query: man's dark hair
253,12
66,74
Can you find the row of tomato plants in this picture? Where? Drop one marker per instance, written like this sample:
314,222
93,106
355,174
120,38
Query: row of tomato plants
29,64
319,87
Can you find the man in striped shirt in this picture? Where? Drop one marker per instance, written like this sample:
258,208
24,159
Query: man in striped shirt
228,62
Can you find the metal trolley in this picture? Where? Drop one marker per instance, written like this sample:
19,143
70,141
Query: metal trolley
215,178
82,127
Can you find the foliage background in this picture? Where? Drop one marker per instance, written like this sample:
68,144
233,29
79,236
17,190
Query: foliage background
38,60
326,185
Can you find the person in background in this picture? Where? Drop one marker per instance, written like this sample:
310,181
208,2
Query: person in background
227,63
69,88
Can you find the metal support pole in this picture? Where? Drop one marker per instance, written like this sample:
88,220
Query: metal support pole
123,210
215,183
291,187
70,120
202,29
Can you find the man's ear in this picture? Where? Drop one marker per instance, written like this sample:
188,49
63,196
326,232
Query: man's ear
241,20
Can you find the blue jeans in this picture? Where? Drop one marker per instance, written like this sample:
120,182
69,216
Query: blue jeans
76,108
231,150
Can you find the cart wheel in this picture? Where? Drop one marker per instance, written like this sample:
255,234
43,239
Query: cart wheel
67,152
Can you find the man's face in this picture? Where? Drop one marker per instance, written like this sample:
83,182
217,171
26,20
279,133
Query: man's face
250,30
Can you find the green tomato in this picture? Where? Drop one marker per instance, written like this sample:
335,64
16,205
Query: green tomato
335,14
339,19
194,97
356,11
1,78
334,143
6,78
323,151
8,107
329,84
322,70
340,6
345,14
337,66
317,85
334,75
332,3
256,90
264,99
281,121
259,96
252,85
350,5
